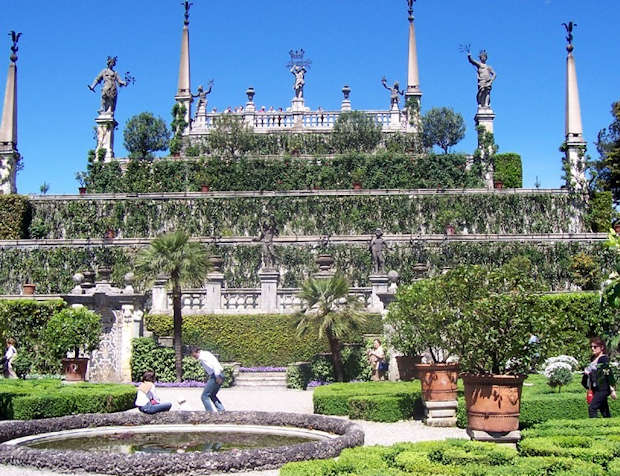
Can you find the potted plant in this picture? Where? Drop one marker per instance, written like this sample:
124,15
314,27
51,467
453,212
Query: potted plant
357,176
28,288
81,177
498,184
497,314
70,330
447,220
419,318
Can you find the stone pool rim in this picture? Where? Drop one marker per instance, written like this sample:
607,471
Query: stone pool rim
348,435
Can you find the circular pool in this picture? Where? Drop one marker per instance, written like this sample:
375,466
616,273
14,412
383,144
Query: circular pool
174,443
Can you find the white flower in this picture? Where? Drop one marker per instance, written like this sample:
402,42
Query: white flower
566,359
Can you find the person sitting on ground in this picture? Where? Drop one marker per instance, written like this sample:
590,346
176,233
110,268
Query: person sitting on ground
215,371
147,400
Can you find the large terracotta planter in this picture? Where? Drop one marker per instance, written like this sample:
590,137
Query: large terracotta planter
438,381
493,401
74,369
407,367
28,289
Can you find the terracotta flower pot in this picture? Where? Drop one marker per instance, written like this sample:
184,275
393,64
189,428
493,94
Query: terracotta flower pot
28,289
493,401
450,230
498,184
617,228
82,190
438,381
407,366
357,186
75,369
204,188
109,234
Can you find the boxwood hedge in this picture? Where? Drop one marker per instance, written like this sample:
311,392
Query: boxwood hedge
33,399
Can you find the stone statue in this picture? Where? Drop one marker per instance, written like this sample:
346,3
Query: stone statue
201,106
394,92
299,72
266,236
109,91
14,48
377,247
486,76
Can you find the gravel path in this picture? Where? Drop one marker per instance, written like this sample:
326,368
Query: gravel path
294,401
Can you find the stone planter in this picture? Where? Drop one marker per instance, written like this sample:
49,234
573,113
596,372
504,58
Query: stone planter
324,262
407,367
28,289
493,402
74,369
438,381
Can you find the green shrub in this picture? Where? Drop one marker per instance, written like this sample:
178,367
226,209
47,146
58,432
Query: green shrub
385,408
298,375
257,339
334,399
15,216
72,330
508,169
27,400
600,210
308,468
529,466
614,467
578,447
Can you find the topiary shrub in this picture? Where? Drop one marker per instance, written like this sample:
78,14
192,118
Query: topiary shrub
73,329
508,169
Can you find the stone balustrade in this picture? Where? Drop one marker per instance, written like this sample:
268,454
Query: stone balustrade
394,120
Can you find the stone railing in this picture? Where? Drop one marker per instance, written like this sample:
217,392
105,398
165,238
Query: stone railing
297,121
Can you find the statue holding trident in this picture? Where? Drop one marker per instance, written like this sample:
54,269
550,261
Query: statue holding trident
201,106
109,91
394,92
486,76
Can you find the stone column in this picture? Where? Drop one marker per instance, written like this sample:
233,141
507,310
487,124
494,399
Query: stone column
184,92
413,92
105,134
575,143
380,284
215,281
484,118
250,108
160,296
269,280
8,129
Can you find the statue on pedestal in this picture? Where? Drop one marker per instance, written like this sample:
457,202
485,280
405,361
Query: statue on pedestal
377,247
394,92
201,106
268,232
298,67
109,91
486,76
569,34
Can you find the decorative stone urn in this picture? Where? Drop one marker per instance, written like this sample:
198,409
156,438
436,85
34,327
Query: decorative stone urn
216,262
75,369
438,381
324,262
493,402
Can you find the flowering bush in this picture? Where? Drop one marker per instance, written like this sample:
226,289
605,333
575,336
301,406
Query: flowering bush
566,359
262,369
558,374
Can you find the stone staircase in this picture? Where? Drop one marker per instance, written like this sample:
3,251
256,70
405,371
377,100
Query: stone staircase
271,380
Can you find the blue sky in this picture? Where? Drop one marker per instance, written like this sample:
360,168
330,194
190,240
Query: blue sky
246,43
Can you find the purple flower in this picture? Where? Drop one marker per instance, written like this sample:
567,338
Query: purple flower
185,384
316,383
262,369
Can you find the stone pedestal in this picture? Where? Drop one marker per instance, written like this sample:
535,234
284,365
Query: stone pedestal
215,282
507,438
394,117
298,105
380,284
441,413
7,170
159,297
485,117
346,105
105,135
269,280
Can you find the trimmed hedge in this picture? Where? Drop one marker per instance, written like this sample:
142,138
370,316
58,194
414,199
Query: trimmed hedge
15,216
24,320
374,401
508,169
252,340
34,399
447,458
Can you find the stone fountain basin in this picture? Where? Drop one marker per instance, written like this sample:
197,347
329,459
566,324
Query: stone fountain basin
334,435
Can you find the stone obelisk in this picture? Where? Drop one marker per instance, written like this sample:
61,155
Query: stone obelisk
575,143
184,91
413,94
9,156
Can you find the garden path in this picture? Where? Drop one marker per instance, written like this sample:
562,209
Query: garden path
296,401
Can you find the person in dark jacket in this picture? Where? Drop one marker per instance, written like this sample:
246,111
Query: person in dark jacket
599,378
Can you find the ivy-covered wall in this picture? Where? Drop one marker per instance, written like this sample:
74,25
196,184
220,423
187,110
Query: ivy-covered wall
383,170
486,213
51,268
14,216
508,169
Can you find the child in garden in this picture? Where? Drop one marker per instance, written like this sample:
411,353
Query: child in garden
147,400
9,356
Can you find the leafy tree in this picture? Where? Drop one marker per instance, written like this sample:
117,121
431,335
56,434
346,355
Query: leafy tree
330,312
606,171
145,134
356,131
72,329
183,263
442,127
231,136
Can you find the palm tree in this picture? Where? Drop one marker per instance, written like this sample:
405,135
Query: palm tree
183,263
330,312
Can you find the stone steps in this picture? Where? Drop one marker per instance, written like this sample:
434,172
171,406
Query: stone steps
261,379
